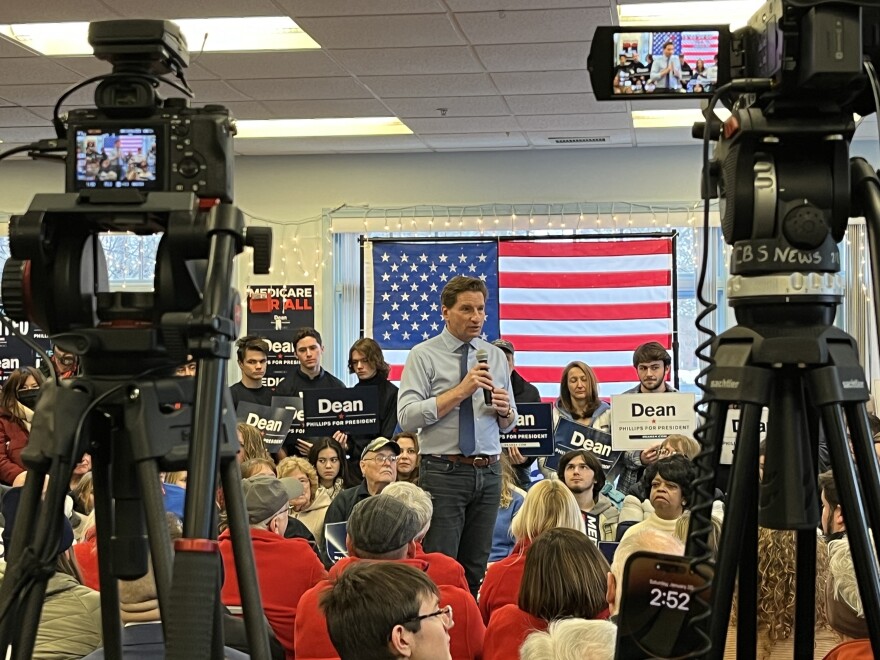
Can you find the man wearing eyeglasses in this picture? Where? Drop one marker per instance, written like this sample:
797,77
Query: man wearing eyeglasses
64,363
383,529
379,467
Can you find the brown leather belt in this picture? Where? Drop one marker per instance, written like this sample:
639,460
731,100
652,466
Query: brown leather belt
476,461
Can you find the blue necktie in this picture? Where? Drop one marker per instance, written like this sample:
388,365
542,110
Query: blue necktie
467,441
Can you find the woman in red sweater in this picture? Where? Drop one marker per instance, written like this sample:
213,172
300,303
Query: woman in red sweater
548,505
17,400
565,576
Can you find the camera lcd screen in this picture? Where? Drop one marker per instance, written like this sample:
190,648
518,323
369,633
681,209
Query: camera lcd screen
665,62
117,158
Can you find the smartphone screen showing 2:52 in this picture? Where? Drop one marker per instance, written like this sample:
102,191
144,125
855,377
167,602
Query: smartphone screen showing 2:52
659,601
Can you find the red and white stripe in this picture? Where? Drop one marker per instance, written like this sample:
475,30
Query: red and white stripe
593,301
590,301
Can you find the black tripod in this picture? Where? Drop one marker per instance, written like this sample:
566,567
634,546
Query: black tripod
792,360
131,415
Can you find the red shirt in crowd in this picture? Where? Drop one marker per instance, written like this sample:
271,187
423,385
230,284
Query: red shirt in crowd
507,631
501,584
443,569
286,569
312,640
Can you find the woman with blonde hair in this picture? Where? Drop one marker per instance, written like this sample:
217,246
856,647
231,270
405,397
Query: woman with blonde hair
511,502
777,584
310,507
565,576
548,505
251,441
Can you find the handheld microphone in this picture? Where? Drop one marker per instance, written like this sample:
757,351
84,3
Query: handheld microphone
483,356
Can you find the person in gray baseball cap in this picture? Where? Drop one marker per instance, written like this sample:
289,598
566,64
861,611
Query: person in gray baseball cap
382,527
286,568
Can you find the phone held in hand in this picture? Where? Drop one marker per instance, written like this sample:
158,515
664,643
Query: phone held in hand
659,600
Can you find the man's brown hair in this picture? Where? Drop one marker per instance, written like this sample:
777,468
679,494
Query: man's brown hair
827,486
366,602
372,353
251,343
461,284
652,351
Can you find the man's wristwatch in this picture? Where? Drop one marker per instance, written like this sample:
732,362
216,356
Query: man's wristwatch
509,411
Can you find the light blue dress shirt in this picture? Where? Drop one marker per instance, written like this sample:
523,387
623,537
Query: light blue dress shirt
431,369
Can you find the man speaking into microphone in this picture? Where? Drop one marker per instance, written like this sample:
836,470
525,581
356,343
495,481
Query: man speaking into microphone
455,388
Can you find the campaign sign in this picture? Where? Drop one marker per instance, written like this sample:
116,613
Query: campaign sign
639,421
14,353
272,423
350,410
334,535
295,404
274,312
570,436
533,433
731,428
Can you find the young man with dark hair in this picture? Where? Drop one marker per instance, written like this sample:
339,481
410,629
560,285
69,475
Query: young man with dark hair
444,391
386,610
309,375
253,355
653,363
583,475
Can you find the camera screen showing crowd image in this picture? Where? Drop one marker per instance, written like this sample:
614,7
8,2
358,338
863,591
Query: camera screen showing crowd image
666,63
123,158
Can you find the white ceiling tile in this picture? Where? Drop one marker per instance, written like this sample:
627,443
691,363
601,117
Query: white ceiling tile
467,84
461,106
509,5
15,69
382,31
40,11
42,95
544,82
20,117
26,134
193,8
398,61
463,125
212,91
301,88
293,64
560,104
575,122
308,109
248,110
364,7
562,56
476,140
523,27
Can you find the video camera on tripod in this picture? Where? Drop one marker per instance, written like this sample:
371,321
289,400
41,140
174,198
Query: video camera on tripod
139,165
792,79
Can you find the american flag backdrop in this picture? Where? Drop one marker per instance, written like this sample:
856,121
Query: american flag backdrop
699,45
557,301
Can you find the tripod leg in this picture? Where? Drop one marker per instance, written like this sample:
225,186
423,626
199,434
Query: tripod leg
110,625
805,594
866,459
864,560
157,532
738,523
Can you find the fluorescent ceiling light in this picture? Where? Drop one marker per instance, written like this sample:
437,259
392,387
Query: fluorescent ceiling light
268,128
672,118
702,12
682,118
248,33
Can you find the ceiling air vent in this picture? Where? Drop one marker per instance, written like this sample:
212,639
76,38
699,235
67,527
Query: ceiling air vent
579,140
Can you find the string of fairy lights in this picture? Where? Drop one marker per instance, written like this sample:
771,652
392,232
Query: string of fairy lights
303,248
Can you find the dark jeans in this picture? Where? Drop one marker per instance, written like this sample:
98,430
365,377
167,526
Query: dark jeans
466,501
